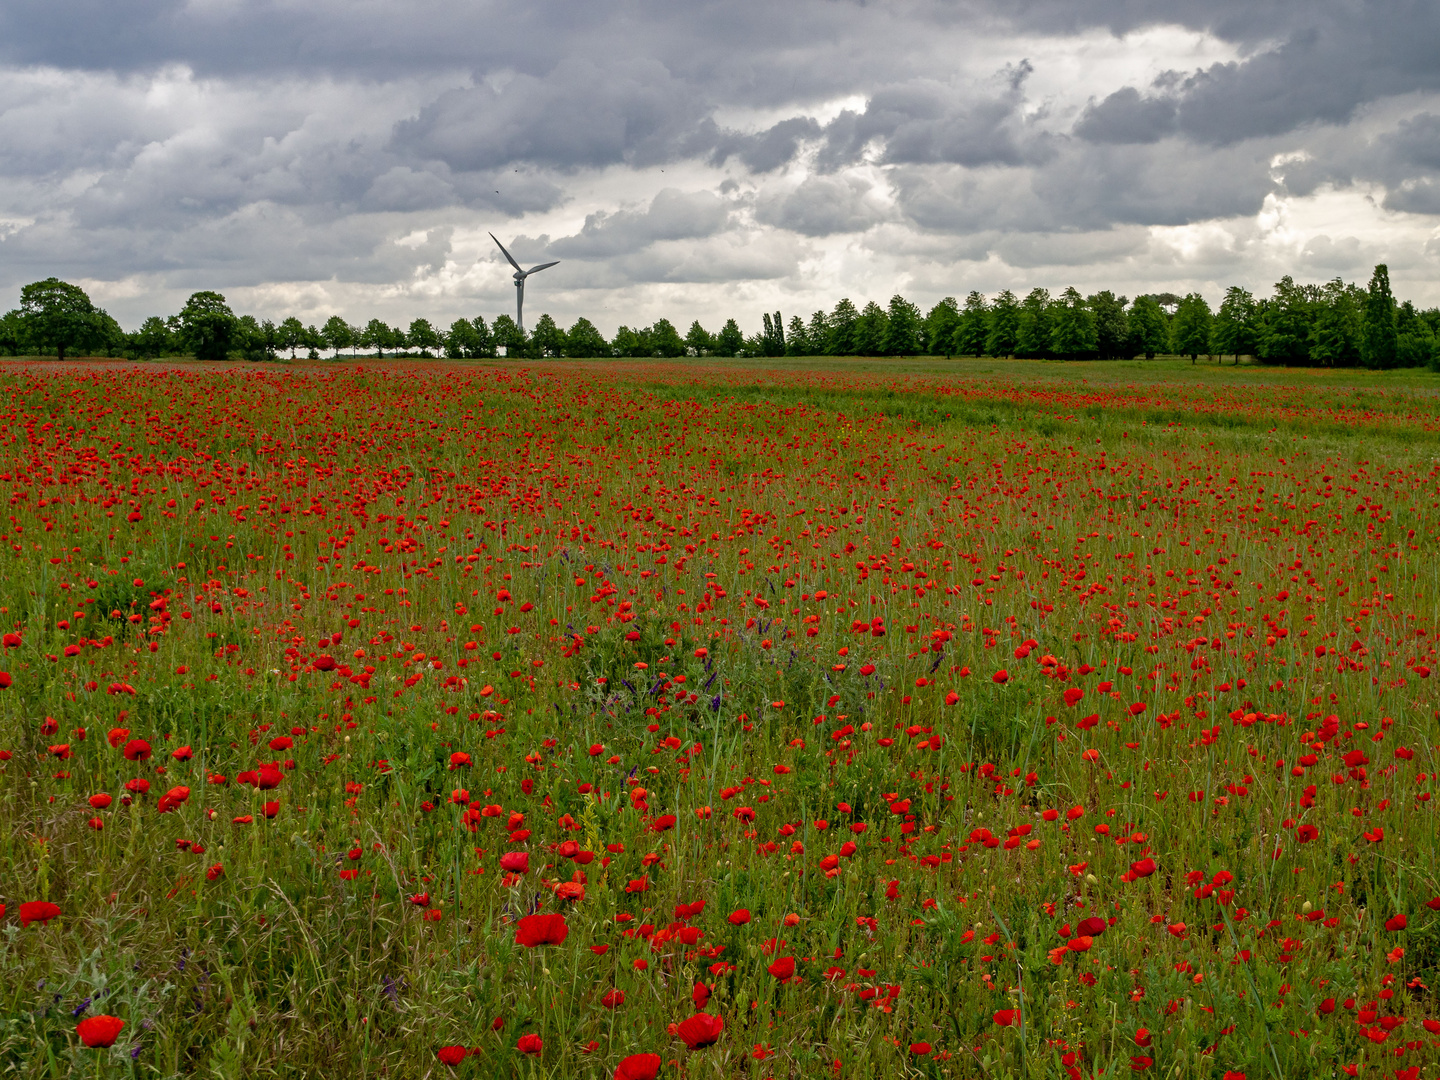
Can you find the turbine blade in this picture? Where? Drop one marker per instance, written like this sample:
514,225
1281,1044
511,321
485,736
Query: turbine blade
506,253
542,266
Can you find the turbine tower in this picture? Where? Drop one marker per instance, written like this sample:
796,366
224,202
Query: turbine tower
520,276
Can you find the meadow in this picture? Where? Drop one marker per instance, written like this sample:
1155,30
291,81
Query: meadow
718,719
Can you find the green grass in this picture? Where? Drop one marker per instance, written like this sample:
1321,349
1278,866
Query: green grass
971,495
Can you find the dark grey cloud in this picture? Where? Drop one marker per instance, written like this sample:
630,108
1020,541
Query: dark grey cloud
578,115
260,142
1127,117
925,122
822,205
671,215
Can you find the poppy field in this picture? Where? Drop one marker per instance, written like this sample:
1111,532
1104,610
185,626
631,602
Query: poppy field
637,720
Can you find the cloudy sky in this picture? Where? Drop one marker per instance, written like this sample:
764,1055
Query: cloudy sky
709,158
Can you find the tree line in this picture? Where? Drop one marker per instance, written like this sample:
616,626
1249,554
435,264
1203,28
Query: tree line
1332,324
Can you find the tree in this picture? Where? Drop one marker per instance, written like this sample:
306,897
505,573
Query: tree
547,338
818,333
1002,336
484,340
1033,335
252,339
665,340
629,342
940,326
698,339
1336,329
1191,330
1235,328
376,335
772,341
972,326
336,334
207,326
843,323
58,315
583,339
1149,329
109,335
508,336
1379,342
797,338
292,333
729,341
422,336
1112,326
904,329
153,339
1072,330
460,341
1414,339
871,330
12,332
1285,324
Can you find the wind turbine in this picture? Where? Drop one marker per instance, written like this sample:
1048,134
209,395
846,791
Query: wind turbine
520,276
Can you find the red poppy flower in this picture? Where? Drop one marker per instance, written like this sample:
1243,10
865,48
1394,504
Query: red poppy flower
1397,922
784,968
613,999
920,1049
741,916
100,801
4,680
701,1030
541,929
451,1055
530,1043
515,862
638,1067
1000,677
136,750
99,1031
1007,1017
1307,832
1144,868
41,911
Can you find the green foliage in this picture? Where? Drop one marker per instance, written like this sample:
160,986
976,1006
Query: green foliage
904,329
1002,336
698,339
1073,333
871,330
1378,343
1149,328
729,341
940,326
665,340
1335,333
547,339
507,335
842,326
972,327
58,315
1112,325
1236,328
1036,323
207,326
797,338
583,339
337,334
1285,324
1190,333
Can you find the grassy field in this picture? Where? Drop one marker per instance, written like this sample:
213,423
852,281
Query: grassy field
713,719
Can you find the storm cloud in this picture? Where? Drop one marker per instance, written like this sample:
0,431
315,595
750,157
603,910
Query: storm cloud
720,157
